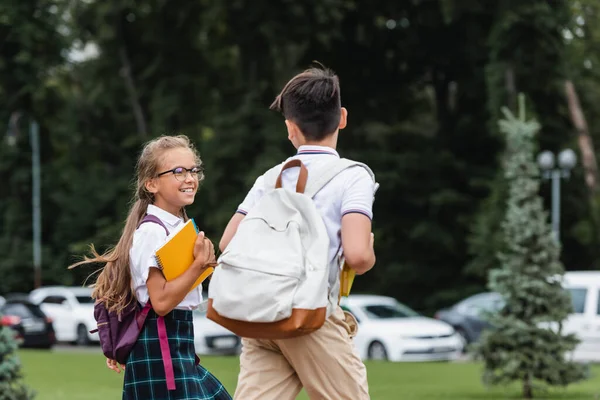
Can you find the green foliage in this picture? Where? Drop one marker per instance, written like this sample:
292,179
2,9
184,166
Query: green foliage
30,49
526,343
11,387
526,43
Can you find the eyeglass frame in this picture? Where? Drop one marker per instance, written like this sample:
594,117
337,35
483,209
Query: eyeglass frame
188,171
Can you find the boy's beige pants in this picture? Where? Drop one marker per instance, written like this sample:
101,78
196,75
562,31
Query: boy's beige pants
324,362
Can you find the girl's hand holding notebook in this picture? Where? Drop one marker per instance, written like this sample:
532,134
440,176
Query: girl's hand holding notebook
179,251
204,248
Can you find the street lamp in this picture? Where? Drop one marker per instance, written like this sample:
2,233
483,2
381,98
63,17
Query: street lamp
34,139
567,159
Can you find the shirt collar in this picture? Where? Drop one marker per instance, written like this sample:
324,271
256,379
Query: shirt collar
166,216
312,149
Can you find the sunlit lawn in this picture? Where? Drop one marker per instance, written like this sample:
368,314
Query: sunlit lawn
60,375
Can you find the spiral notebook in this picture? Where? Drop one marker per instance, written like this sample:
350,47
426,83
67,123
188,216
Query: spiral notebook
177,254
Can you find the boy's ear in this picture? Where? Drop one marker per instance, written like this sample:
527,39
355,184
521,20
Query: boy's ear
293,130
343,118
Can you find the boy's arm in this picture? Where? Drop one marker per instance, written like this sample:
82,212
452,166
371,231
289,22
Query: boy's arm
251,198
357,205
230,230
357,241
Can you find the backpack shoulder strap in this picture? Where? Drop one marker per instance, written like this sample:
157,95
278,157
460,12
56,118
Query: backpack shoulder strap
153,219
270,177
325,174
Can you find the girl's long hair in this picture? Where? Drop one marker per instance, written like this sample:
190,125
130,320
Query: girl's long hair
113,285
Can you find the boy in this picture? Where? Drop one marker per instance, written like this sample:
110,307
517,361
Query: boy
324,362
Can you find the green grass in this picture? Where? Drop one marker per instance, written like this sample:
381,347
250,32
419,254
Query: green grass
83,376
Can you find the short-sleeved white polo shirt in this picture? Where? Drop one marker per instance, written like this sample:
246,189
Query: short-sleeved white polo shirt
146,240
352,191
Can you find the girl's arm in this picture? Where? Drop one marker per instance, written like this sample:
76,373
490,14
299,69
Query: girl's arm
165,296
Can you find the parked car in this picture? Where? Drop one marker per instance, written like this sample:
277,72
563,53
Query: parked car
211,338
389,330
584,322
584,289
72,310
32,327
467,317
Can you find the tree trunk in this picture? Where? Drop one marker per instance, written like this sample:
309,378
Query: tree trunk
138,112
511,88
127,74
527,389
584,139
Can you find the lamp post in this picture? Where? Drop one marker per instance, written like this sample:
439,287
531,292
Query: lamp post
34,140
567,159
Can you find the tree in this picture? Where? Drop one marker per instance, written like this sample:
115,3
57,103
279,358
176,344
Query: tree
30,49
527,343
518,63
11,387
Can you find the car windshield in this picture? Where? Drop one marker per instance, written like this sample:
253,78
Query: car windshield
386,311
85,300
480,304
22,310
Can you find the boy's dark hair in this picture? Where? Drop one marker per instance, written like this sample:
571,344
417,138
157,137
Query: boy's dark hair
311,100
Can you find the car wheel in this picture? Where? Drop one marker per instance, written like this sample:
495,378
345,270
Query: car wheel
377,351
82,335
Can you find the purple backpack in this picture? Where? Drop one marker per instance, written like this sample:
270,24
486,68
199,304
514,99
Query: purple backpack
118,333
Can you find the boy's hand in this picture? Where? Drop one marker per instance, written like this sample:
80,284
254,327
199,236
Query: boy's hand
114,365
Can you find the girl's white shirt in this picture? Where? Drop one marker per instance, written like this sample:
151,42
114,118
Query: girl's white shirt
146,240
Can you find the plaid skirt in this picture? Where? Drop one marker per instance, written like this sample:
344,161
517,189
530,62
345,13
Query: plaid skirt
145,372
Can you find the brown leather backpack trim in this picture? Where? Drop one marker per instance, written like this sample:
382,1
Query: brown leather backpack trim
301,322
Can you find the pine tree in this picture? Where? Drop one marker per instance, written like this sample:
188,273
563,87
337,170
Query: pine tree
11,387
527,343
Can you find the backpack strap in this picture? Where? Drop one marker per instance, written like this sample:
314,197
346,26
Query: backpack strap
302,176
153,219
270,177
166,353
162,330
325,174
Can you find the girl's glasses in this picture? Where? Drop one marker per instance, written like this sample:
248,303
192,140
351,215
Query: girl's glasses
180,173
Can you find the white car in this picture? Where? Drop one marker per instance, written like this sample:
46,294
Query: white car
584,322
389,330
211,338
71,309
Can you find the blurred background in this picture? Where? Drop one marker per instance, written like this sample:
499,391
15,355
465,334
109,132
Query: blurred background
84,83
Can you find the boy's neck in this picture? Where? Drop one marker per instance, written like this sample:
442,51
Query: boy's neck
330,141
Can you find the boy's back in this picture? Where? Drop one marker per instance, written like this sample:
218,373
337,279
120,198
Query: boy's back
351,191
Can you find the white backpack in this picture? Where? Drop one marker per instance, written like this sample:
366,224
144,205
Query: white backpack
272,279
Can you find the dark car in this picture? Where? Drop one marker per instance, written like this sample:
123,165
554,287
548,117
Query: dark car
33,328
468,316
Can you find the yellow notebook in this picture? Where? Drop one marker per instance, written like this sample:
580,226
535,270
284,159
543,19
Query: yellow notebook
346,280
177,254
